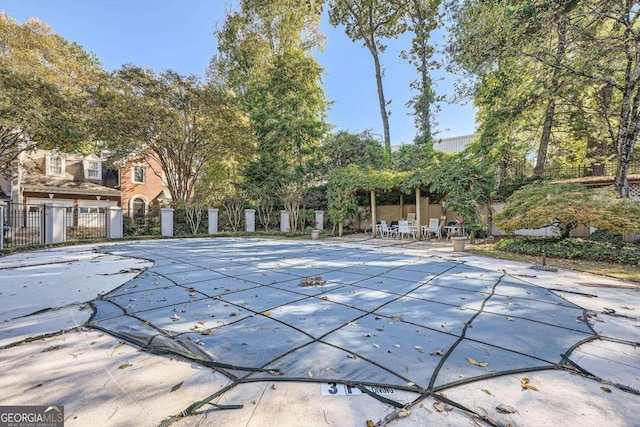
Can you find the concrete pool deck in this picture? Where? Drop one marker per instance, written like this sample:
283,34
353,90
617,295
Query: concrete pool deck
558,347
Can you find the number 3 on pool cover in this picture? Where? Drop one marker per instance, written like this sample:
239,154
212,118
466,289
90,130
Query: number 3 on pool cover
339,389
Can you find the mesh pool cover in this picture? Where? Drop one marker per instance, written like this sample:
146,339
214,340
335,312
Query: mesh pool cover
301,311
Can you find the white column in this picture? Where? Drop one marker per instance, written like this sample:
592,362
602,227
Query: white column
319,220
115,222
284,221
213,221
166,222
54,224
1,227
250,220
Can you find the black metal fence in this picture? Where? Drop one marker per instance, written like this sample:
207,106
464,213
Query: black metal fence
86,223
23,225
137,224
582,171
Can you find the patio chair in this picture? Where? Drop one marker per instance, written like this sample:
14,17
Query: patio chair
386,231
435,227
411,218
404,228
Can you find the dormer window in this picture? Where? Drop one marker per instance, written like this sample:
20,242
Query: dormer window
92,167
55,165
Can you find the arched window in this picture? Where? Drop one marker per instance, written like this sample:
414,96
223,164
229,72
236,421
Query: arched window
138,206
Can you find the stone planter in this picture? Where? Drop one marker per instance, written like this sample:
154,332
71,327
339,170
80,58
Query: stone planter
315,234
458,243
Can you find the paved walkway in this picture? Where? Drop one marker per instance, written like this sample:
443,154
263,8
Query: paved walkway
334,332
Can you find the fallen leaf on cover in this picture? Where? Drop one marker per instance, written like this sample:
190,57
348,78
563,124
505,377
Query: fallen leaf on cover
476,363
506,409
420,349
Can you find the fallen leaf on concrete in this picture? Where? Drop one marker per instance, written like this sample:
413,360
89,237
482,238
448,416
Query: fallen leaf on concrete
487,392
605,389
267,313
176,387
402,413
506,409
52,348
420,349
437,353
526,386
124,366
233,314
120,344
370,423
144,324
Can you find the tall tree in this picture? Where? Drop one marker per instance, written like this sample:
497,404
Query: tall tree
265,57
46,86
423,18
596,53
372,21
184,124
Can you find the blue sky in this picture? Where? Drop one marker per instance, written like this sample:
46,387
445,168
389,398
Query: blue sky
178,35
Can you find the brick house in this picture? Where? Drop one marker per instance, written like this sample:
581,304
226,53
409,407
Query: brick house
142,186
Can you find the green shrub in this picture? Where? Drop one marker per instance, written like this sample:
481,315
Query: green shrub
574,248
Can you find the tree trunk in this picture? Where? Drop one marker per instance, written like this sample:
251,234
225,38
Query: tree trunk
546,136
549,114
381,99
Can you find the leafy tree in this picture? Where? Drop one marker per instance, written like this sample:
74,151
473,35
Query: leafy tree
591,55
265,58
185,125
46,86
467,184
565,206
343,148
372,21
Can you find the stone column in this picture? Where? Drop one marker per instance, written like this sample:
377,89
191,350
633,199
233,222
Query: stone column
166,222
285,226
115,222
250,220
213,221
319,220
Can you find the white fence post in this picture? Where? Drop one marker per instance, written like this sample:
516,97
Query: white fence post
1,227
166,222
250,220
213,221
284,221
115,222
319,220
54,224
